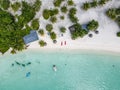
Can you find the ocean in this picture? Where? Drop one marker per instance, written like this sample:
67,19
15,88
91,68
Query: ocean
76,70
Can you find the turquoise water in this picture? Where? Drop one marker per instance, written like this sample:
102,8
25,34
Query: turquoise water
76,71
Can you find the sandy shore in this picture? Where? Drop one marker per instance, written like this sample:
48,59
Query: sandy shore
106,39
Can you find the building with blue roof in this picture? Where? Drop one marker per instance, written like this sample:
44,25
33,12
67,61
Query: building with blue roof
84,26
31,37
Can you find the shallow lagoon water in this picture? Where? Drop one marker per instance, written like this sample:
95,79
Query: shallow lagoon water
76,71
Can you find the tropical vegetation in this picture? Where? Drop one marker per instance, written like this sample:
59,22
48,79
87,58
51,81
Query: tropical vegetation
53,35
46,14
35,24
114,14
12,31
41,32
78,31
62,29
5,4
53,19
70,2
49,27
93,4
42,43
72,16
92,25
64,9
15,6
57,3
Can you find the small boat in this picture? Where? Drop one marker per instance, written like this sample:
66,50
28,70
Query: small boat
54,68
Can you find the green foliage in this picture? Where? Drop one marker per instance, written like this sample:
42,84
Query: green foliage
54,12
37,5
49,27
111,13
62,17
118,20
53,35
6,18
86,6
102,2
46,14
16,6
5,4
118,34
72,16
13,51
63,29
41,32
35,24
78,32
93,4
28,13
73,11
70,2
92,25
117,11
53,19
64,9
114,14
12,32
57,3
42,43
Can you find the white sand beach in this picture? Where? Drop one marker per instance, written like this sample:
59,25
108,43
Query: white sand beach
105,40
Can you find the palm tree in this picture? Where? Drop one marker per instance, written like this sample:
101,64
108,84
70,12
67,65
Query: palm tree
92,25
13,51
111,13
86,6
93,4
102,2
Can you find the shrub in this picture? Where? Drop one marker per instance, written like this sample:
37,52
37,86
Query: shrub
70,2
86,6
78,32
53,35
42,43
118,34
57,3
37,5
54,12
41,32
111,13
46,14
92,25
117,11
16,6
53,19
63,29
118,20
73,11
102,2
93,4
5,4
62,17
35,24
73,18
64,9
27,15
49,27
